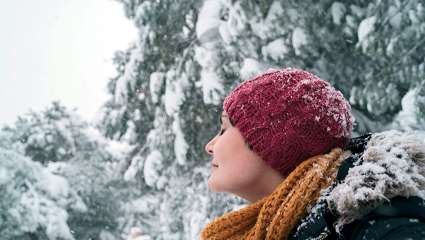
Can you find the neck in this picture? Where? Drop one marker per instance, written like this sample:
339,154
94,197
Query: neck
263,187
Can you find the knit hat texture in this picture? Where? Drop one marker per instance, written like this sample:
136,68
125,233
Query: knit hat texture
289,115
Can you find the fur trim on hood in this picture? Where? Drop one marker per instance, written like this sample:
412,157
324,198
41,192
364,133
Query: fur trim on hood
393,164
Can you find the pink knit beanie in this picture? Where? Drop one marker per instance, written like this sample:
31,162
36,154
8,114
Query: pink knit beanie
289,115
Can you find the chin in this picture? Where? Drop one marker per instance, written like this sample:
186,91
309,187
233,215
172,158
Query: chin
212,185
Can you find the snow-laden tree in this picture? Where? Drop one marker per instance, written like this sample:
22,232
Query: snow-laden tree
76,158
158,106
373,51
49,136
34,203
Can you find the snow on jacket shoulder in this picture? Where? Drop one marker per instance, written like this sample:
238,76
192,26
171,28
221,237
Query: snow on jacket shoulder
378,194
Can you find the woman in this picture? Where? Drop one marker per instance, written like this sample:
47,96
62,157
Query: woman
285,146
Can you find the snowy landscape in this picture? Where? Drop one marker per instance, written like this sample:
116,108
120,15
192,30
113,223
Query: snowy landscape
141,161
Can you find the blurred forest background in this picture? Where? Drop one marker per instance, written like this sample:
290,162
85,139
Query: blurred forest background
142,162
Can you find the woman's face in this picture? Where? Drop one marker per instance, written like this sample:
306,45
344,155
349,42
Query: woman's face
234,168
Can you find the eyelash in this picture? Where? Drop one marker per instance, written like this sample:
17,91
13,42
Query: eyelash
221,132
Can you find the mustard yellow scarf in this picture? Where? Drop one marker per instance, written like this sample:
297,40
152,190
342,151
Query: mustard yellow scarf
274,216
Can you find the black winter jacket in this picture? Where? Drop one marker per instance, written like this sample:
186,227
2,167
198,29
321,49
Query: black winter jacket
399,218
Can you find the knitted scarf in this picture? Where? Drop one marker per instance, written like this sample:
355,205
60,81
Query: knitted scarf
275,216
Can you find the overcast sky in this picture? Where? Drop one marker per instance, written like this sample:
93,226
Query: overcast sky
58,50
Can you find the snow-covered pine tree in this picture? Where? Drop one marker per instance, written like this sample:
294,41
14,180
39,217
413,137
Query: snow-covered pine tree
55,150
163,105
34,203
371,51
49,136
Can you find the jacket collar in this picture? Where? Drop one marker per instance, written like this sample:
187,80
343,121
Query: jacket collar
383,166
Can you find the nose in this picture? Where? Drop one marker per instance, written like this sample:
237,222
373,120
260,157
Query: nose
209,146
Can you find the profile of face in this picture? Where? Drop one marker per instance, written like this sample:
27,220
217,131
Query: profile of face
235,168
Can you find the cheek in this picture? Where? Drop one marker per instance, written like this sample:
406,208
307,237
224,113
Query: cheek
245,168
229,146
237,174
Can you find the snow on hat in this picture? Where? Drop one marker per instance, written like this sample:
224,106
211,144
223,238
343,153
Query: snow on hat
289,115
